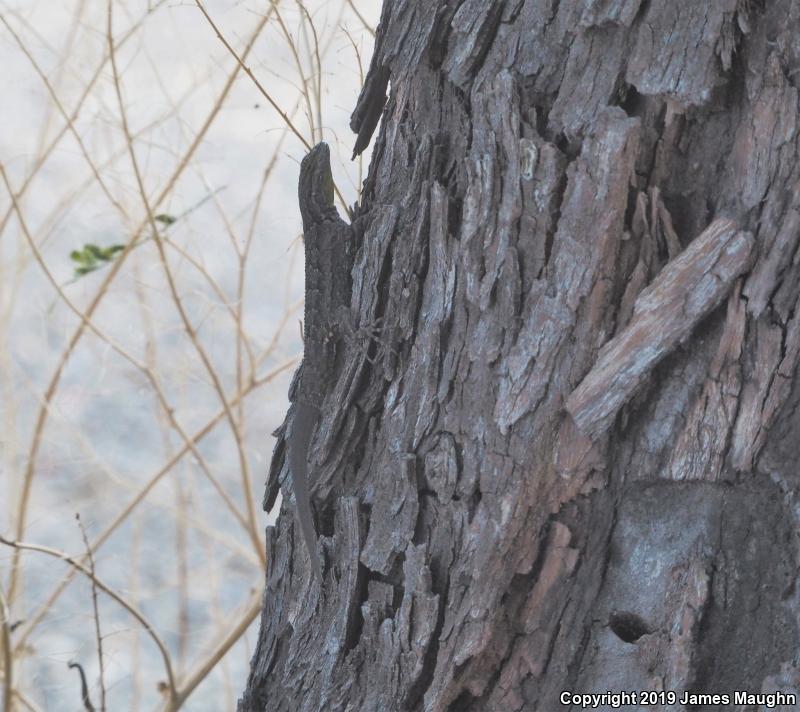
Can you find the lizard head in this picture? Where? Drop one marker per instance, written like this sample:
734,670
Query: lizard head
316,184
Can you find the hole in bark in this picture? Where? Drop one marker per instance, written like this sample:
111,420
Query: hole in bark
474,501
418,689
630,101
628,626
463,703
454,211
558,200
687,211
570,147
325,520
711,209
630,208
426,515
542,113
355,624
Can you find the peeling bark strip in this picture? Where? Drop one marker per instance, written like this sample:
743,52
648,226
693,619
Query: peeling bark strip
685,291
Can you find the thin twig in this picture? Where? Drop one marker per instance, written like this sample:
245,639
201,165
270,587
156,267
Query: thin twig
240,281
143,368
66,117
27,701
303,88
76,23
37,617
52,386
201,671
97,632
85,698
73,117
264,93
318,62
134,562
359,180
127,605
182,566
8,654
361,18
188,326
252,76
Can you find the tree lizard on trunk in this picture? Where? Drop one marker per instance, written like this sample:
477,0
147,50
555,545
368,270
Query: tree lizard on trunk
328,265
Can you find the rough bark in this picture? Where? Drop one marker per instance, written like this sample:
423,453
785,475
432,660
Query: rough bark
569,462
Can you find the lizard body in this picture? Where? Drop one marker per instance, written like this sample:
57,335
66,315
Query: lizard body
328,263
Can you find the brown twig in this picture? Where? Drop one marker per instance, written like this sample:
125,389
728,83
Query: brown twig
37,617
79,567
73,117
252,76
361,18
359,180
97,632
188,326
41,418
143,368
65,116
8,653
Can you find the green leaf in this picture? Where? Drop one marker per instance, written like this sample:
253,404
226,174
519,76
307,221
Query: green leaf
165,219
91,256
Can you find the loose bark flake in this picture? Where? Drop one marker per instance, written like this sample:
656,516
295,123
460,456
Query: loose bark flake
685,291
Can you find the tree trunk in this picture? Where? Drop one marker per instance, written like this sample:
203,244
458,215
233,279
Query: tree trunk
568,462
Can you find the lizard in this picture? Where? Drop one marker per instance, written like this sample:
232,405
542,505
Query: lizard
328,263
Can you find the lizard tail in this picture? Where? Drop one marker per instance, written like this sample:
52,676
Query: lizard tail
305,418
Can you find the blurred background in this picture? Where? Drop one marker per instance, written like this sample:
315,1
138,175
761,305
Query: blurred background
151,283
